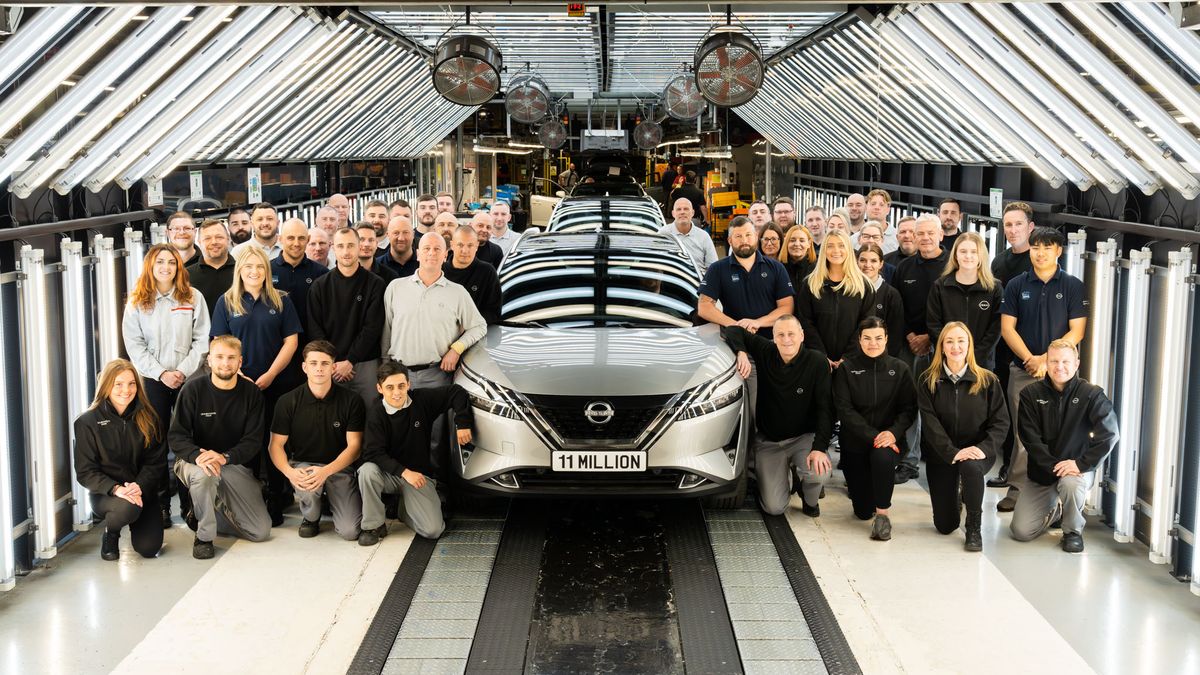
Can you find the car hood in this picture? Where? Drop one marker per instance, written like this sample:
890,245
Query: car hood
600,361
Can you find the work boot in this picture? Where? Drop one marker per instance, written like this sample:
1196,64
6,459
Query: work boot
1000,480
974,540
202,550
310,528
1072,542
372,537
813,511
110,546
1009,502
881,530
166,516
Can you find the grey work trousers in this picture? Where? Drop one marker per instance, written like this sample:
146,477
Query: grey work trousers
422,507
366,378
1036,508
344,501
229,504
1018,468
774,478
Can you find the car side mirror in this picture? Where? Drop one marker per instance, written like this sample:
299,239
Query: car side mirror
533,230
560,193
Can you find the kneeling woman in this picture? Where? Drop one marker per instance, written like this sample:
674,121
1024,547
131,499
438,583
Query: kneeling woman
119,453
876,402
964,421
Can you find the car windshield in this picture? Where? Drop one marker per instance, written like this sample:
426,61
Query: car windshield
602,289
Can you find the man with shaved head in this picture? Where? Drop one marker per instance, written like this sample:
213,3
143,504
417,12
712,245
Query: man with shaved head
292,271
479,278
488,252
445,224
693,239
856,205
318,247
340,203
502,234
399,256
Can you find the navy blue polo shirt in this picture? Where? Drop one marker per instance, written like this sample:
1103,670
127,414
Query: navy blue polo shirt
296,281
405,270
1044,310
262,330
747,294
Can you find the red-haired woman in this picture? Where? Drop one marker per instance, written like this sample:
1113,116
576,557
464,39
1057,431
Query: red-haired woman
166,336
119,455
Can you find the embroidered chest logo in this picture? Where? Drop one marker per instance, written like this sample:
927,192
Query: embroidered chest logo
1041,401
308,280
985,305
417,424
1074,401
103,423
891,373
271,312
880,307
337,425
1025,295
764,275
208,414
1058,296
474,288
735,278
910,281
358,298
800,390
857,372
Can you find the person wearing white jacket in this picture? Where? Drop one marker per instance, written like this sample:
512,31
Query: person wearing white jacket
166,335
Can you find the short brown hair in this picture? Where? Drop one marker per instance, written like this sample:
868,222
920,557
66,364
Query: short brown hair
180,215
1019,206
782,200
211,223
373,203
226,341
321,347
877,192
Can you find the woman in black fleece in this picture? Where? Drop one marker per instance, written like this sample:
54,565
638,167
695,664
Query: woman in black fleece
964,421
968,292
119,452
835,299
889,306
876,402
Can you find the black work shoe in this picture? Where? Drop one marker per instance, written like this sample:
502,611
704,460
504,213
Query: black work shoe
797,483
191,521
881,529
1000,479
1072,542
110,546
813,511
974,539
276,514
310,528
202,550
1007,504
372,537
166,517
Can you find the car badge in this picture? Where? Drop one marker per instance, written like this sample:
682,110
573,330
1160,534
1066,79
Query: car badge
598,412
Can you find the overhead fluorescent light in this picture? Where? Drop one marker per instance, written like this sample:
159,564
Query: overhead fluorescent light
721,152
517,144
499,150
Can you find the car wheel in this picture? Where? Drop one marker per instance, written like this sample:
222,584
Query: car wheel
733,500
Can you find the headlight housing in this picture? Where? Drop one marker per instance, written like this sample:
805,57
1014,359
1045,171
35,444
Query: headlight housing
711,396
496,400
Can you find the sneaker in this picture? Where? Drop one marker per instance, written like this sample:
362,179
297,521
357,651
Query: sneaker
1007,504
202,550
813,511
110,546
1072,542
372,537
881,529
310,528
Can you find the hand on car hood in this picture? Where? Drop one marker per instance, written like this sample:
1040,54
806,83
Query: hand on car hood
600,361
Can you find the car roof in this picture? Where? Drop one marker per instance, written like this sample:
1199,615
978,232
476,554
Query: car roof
557,246
632,214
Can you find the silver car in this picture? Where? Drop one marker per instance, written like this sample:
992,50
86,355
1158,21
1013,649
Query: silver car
598,383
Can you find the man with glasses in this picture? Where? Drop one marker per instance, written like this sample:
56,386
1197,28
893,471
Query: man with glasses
784,213
182,233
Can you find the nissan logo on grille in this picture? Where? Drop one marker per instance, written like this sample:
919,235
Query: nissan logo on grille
598,412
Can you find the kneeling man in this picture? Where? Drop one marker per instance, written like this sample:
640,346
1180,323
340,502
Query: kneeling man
216,434
397,455
1068,427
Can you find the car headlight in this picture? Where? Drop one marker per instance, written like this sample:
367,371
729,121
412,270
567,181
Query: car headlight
709,397
496,400
712,405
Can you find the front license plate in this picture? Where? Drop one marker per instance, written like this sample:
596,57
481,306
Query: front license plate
589,460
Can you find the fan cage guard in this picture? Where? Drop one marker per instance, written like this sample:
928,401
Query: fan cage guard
729,84
682,82
466,69
525,92
649,131
559,130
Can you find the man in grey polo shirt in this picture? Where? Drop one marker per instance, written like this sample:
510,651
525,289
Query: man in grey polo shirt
693,239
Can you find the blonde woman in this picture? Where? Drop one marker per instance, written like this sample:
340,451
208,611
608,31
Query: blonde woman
165,328
839,220
798,254
119,455
834,300
968,292
963,422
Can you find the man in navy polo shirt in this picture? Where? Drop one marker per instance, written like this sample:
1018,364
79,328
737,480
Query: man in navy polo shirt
1040,306
754,290
292,271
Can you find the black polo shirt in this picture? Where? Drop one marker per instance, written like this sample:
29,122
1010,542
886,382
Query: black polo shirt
212,282
402,270
1044,310
1008,265
747,294
316,427
914,279
489,253
262,330
296,280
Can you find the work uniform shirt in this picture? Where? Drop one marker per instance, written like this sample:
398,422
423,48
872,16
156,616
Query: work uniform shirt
873,395
226,421
110,450
347,311
399,438
404,269
1077,423
482,284
171,335
505,241
490,253
296,280
212,282
316,427
914,279
1044,310
261,328
696,242
273,250
423,321
952,418
1008,265
747,294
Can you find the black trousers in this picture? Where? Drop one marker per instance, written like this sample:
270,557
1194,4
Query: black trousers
145,522
943,489
162,399
870,479
1004,357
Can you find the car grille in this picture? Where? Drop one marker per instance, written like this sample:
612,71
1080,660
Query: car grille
549,481
630,417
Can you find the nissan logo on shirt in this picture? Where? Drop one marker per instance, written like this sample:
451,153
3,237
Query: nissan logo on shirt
337,425
984,305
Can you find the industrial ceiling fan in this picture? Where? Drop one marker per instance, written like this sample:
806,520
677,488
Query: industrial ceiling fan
528,98
466,67
682,98
552,134
728,64
648,134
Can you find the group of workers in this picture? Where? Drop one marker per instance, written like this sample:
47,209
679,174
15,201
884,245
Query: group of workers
889,346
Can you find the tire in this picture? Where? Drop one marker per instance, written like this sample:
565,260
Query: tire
733,500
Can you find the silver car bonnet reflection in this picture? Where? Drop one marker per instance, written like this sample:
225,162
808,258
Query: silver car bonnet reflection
600,361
